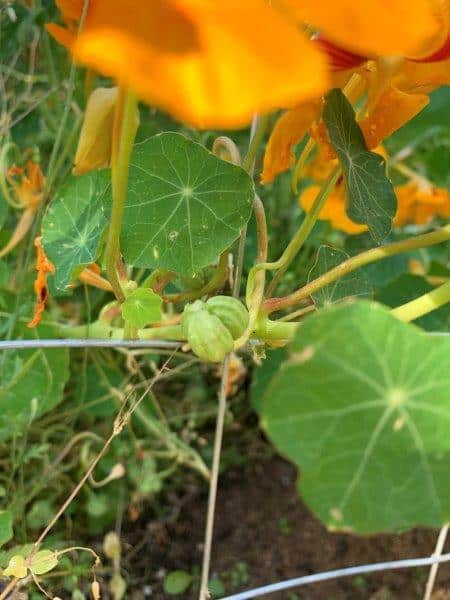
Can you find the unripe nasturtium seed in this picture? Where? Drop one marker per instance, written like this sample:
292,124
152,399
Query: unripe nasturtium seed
231,312
211,327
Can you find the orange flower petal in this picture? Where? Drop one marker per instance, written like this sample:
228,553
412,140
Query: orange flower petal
393,109
211,64
63,36
70,10
423,77
376,27
419,205
334,209
289,130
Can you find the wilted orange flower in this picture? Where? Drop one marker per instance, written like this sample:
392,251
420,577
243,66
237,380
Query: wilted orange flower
209,63
397,88
91,276
28,187
43,268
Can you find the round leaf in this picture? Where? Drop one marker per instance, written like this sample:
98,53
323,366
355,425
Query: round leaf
185,206
141,307
74,223
362,406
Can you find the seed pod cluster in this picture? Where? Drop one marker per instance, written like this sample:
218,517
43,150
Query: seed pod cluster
211,327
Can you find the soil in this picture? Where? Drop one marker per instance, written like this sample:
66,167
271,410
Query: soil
264,534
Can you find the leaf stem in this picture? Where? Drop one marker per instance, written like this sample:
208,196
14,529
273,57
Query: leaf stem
258,135
304,230
119,166
424,304
355,262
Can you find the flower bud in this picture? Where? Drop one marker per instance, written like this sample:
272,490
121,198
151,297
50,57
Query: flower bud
95,142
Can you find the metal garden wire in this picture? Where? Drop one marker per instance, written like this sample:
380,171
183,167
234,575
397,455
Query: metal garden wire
347,572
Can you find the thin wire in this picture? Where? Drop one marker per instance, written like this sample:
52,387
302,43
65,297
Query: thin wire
347,572
86,343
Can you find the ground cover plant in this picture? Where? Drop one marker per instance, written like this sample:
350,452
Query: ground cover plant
218,216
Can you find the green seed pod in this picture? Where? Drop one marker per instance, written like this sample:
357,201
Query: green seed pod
210,340
231,312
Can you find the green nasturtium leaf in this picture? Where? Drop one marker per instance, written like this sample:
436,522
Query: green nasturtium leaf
142,307
31,381
351,285
6,530
74,223
362,406
370,195
184,207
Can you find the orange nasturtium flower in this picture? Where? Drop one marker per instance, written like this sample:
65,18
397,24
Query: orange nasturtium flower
27,184
43,267
398,66
418,201
208,63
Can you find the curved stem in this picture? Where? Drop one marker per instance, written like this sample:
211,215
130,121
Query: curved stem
355,262
275,330
305,229
216,282
424,304
119,166
300,166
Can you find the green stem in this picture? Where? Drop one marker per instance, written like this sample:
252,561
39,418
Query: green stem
100,330
424,304
297,241
216,282
275,330
305,229
355,262
249,160
119,170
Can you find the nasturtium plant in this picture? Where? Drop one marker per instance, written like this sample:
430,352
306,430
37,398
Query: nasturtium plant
137,147
74,223
353,285
142,307
350,407
32,380
370,194
184,205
